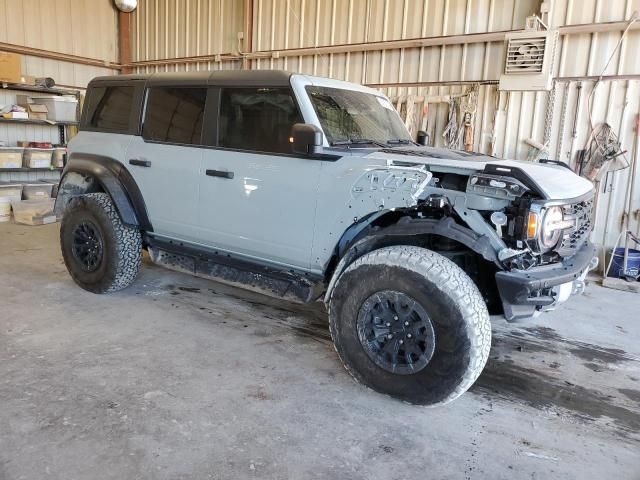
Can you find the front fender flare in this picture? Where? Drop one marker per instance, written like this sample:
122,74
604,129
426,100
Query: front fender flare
407,226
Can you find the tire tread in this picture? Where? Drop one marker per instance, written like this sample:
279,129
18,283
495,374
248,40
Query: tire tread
452,281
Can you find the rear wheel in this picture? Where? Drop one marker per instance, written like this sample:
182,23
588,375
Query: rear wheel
101,253
410,323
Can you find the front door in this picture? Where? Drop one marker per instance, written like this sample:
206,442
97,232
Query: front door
256,198
165,161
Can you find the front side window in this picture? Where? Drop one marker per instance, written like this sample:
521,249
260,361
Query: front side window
258,119
174,115
110,108
351,116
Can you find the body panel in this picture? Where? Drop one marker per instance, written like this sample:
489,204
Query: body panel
169,185
354,187
557,182
267,210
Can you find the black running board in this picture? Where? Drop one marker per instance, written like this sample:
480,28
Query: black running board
222,267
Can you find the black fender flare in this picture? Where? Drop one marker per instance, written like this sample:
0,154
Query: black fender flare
86,173
369,238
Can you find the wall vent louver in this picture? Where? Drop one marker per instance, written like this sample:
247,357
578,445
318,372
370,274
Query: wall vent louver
529,60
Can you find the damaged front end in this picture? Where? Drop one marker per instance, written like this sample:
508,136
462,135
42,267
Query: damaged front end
547,253
538,245
551,258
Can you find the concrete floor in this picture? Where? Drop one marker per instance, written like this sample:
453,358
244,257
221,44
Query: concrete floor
179,377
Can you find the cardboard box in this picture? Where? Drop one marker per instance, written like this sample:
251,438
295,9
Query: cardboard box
10,67
16,115
23,100
37,111
28,79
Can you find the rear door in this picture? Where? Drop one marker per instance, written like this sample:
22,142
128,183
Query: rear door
257,199
165,160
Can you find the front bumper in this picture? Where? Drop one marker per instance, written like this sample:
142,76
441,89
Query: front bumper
526,292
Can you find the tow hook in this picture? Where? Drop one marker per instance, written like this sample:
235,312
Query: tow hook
579,284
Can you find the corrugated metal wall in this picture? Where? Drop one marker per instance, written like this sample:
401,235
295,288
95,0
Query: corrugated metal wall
86,28
186,28
502,121
80,27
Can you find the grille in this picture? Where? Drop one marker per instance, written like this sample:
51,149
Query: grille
574,237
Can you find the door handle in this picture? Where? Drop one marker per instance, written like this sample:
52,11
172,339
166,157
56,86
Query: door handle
219,173
138,162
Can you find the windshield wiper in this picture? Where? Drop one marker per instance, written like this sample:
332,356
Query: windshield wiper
359,141
401,141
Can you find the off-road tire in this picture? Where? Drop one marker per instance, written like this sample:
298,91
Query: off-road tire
122,244
455,306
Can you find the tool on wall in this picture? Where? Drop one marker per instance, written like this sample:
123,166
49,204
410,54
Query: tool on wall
464,105
603,150
450,133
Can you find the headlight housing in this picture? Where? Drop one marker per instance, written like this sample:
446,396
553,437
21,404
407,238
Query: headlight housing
545,226
551,227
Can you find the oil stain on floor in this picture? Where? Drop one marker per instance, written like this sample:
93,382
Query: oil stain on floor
532,366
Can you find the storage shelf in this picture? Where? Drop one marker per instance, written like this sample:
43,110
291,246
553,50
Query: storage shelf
54,169
63,131
35,121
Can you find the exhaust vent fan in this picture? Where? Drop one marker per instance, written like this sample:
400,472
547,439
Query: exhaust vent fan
529,60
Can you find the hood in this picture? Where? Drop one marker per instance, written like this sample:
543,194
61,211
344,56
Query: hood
555,182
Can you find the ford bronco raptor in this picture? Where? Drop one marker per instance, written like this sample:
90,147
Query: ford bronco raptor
312,189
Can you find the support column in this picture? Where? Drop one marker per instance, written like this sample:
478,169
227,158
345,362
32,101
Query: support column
124,40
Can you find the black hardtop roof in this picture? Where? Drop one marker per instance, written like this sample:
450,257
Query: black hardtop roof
228,78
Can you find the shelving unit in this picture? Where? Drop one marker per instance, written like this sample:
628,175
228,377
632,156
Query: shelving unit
27,174
35,121
14,170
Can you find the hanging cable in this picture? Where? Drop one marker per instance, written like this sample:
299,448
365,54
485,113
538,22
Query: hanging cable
632,20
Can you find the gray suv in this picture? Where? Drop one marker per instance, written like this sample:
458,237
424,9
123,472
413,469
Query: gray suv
312,189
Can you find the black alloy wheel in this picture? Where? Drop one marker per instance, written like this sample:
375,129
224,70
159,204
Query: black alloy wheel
88,246
396,332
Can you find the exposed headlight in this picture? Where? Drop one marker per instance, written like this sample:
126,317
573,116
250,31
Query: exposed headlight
545,226
551,227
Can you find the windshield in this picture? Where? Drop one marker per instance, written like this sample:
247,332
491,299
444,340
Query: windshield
349,116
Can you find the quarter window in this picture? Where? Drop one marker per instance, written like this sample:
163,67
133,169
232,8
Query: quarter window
174,115
111,108
258,119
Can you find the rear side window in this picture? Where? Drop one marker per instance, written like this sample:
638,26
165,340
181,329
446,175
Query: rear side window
258,119
174,115
110,108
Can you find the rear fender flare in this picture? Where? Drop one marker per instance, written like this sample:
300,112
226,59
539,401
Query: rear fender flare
87,173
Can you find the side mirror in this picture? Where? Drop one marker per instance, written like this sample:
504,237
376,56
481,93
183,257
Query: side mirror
423,137
306,138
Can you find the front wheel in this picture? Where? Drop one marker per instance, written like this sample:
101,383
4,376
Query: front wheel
101,253
410,323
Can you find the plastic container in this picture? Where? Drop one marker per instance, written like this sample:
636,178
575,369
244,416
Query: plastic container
633,263
60,108
35,191
34,212
5,209
37,157
54,186
57,157
12,191
11,157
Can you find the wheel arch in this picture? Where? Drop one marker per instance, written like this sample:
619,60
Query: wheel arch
89,173
397,228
